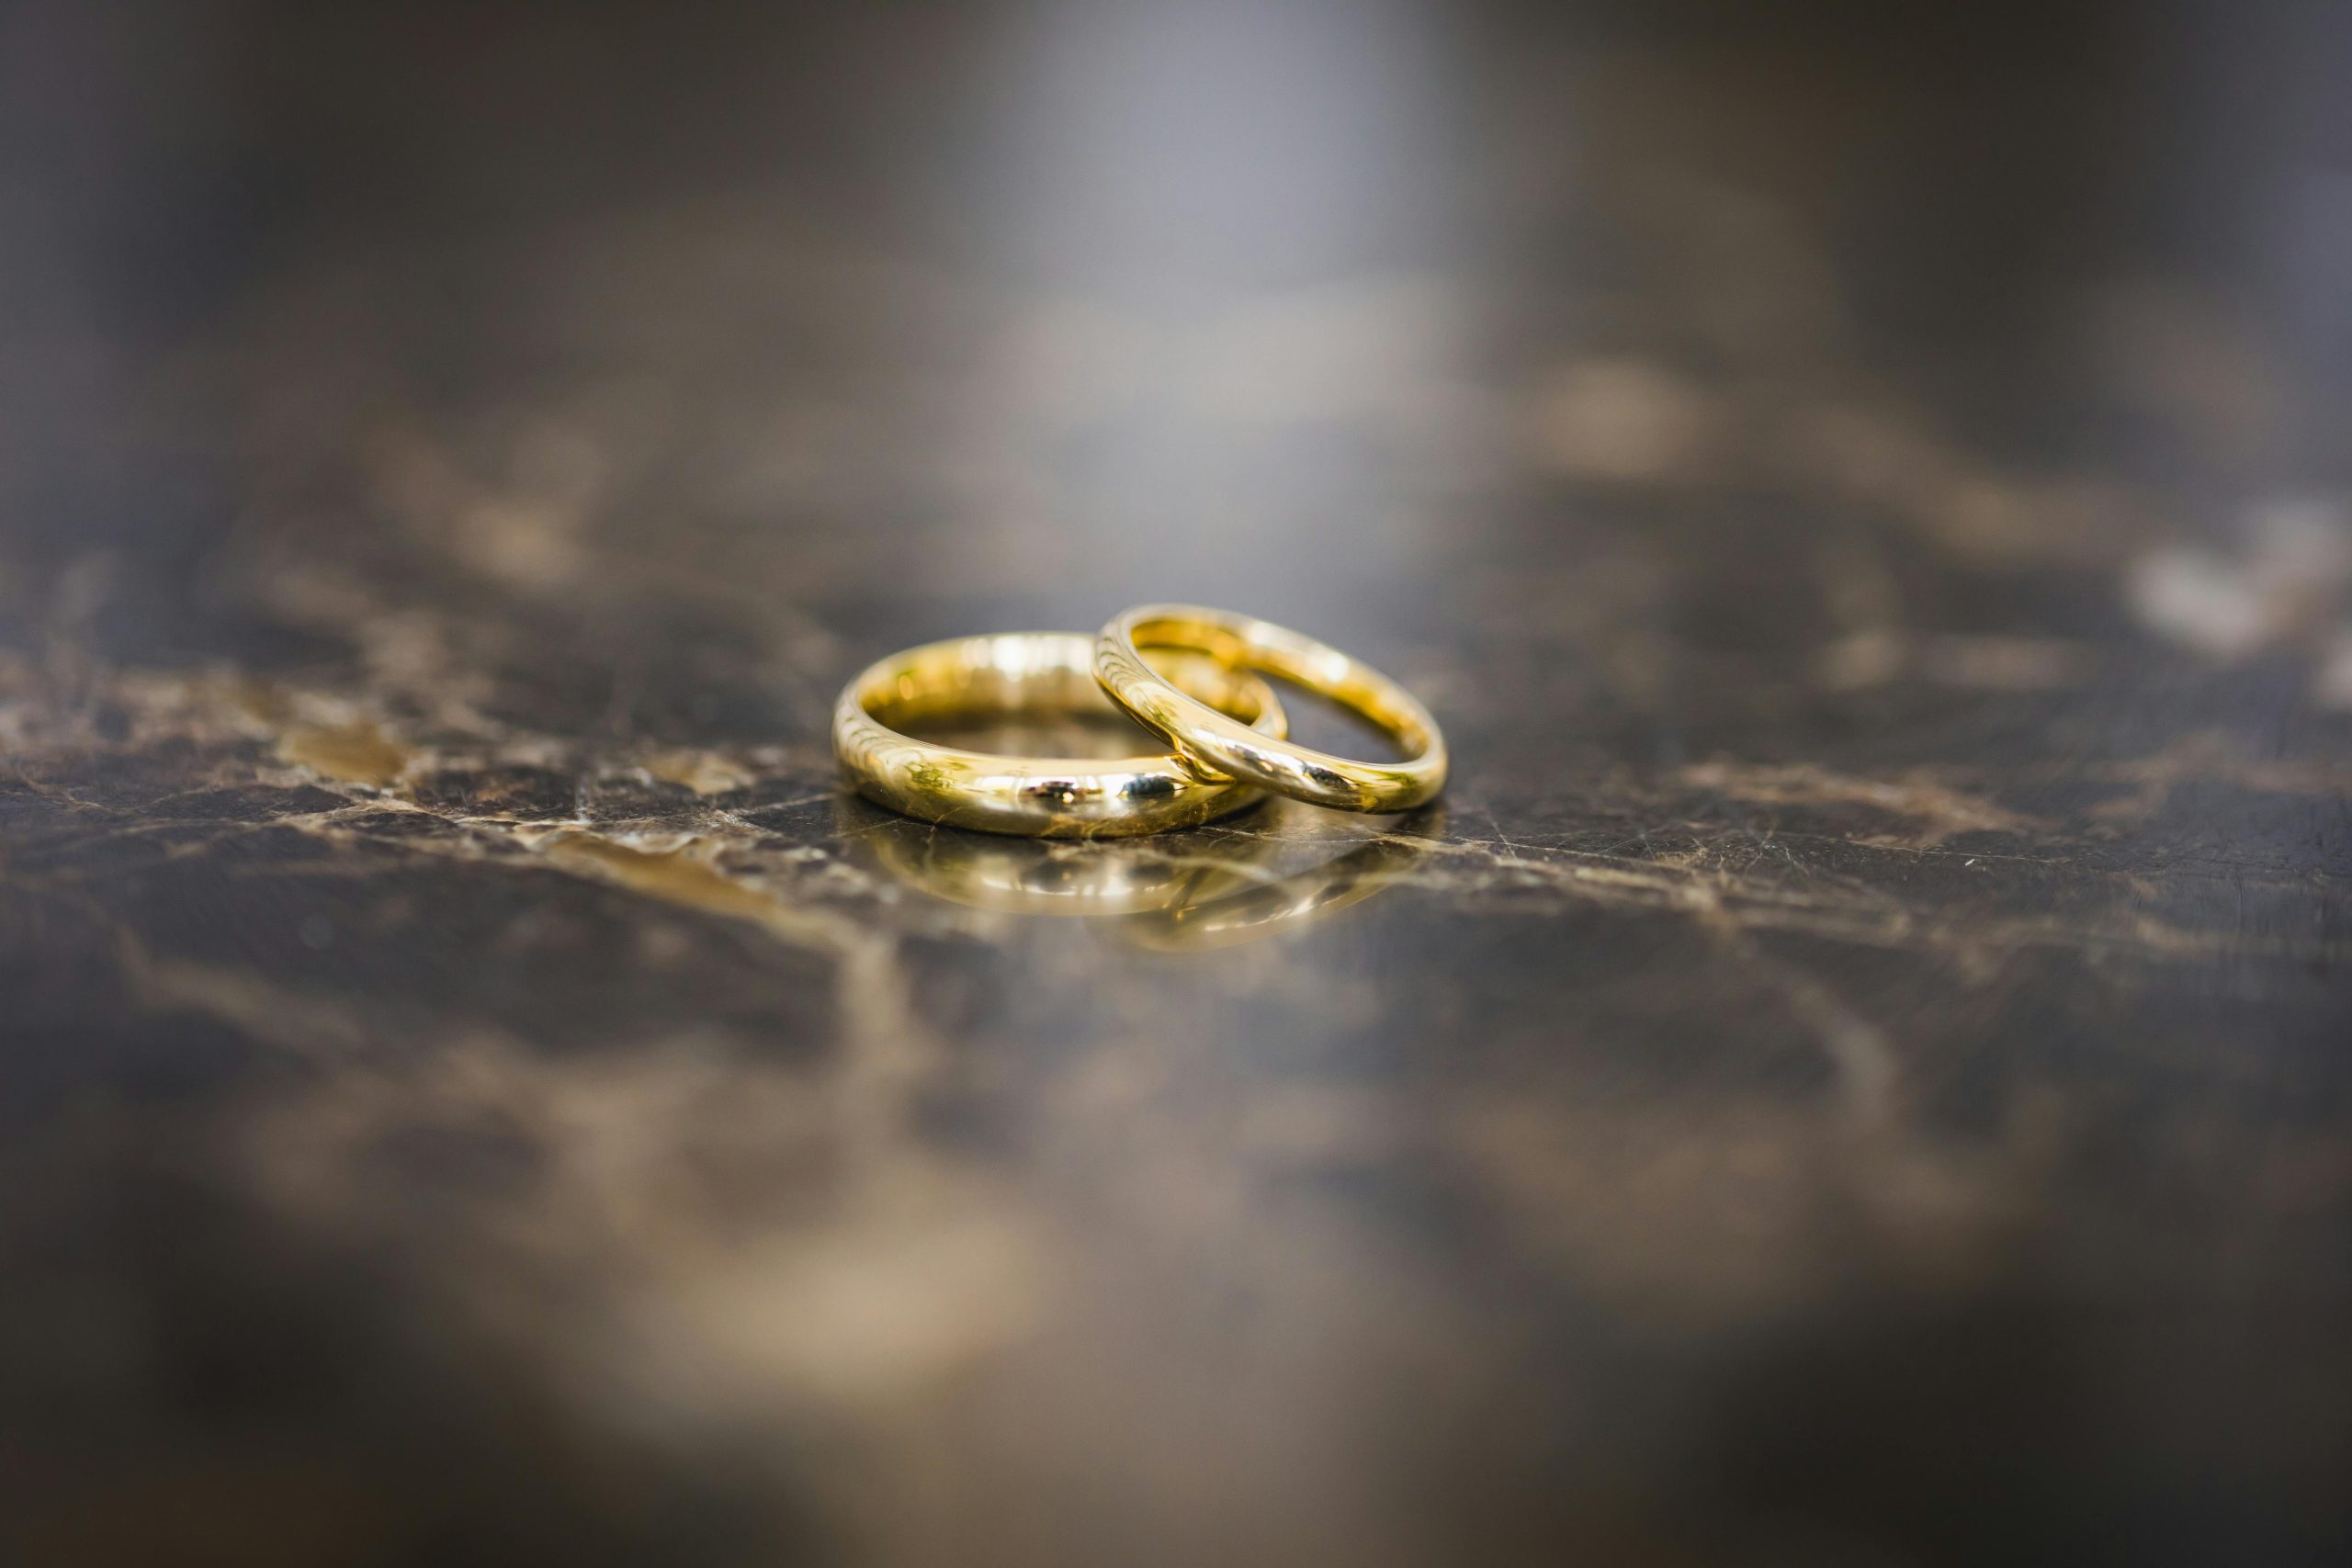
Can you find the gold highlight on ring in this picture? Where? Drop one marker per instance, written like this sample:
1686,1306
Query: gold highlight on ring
1220,746
1027,673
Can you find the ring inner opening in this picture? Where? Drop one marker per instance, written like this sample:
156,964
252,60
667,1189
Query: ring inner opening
1322,725
1334,714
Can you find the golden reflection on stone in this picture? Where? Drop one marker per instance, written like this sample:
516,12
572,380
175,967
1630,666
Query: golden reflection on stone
1300,900
357,753
1214,887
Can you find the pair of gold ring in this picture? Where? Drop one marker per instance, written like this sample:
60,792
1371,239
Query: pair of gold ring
1200,690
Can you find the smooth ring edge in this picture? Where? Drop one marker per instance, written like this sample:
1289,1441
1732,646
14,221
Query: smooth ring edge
1194,796
1286,768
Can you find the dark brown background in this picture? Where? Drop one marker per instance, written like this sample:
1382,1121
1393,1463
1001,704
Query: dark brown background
1854,1072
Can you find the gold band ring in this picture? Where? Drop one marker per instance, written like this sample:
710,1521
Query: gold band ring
1215,743
1058,797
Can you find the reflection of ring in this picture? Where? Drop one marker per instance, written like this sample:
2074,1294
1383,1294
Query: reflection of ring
1011,876
1216,743
1220,889
1259,910
1052,797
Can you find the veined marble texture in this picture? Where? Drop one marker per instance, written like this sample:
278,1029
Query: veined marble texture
1853,1069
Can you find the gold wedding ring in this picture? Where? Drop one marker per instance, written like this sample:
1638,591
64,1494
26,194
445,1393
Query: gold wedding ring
1218,745
1019,672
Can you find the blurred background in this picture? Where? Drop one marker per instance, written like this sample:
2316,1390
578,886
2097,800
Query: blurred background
1180,299
475,1093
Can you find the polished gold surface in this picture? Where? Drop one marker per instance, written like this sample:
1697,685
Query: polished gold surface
1215,743
1029,672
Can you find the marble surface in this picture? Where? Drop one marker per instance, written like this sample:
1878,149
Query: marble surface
1854,1070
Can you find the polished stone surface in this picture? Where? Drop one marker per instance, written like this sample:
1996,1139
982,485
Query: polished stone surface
1856,1068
